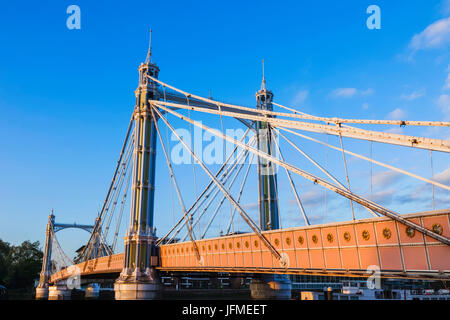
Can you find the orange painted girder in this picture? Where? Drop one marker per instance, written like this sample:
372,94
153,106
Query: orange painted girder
344,246
338,246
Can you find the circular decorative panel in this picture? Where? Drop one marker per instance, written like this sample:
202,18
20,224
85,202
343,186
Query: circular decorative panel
437,228
366,235
330,237
410,232
387,233
347,236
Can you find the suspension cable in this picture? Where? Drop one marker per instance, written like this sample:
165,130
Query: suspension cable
124,170
346,174
341,191
368,159
304,115
244,215
224,178
211,183
320,167
241,190
299,202
169,165
119,218
432,177
347,131
223,198
112,183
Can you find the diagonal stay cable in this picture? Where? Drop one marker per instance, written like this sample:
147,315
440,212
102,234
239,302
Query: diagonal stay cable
288,173
223,179
341,191
194,208
230,184
244,215
347,131
119,161
241,190
346,174
122,175
211,183
443,186
119,218
319,166
302,115
172,174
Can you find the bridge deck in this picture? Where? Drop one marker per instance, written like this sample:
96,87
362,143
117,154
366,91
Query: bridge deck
342,249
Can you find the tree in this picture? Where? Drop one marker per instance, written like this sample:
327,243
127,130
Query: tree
5,248
20,265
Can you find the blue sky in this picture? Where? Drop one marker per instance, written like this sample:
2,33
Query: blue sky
66,95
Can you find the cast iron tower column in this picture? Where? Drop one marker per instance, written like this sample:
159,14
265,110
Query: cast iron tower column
138,279
267,175
268,286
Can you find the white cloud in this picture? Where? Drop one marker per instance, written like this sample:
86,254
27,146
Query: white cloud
384,196
350,92
444,103
396,130
312,197
251,206
397,114
367,92
413,95
445,7
447,83
443,177
386,177
436,35
365,106
300,97
344,92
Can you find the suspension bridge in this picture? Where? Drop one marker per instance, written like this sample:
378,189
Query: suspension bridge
413,245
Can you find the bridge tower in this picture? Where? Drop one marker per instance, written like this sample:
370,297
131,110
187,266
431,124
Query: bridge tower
138,279
42,288
268,286
267,175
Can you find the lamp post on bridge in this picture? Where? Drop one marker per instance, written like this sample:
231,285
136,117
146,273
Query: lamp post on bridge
138,279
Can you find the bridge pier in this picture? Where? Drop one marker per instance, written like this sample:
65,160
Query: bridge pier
41,293
138,285
271,286
59,292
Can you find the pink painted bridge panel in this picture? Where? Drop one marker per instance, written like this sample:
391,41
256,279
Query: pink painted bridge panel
348,246
354,245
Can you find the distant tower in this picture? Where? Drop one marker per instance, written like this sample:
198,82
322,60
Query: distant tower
267,176
138,278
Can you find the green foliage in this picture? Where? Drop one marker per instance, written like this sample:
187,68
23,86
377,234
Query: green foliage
19,265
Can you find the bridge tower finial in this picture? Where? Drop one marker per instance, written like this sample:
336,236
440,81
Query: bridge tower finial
263,84
149,53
